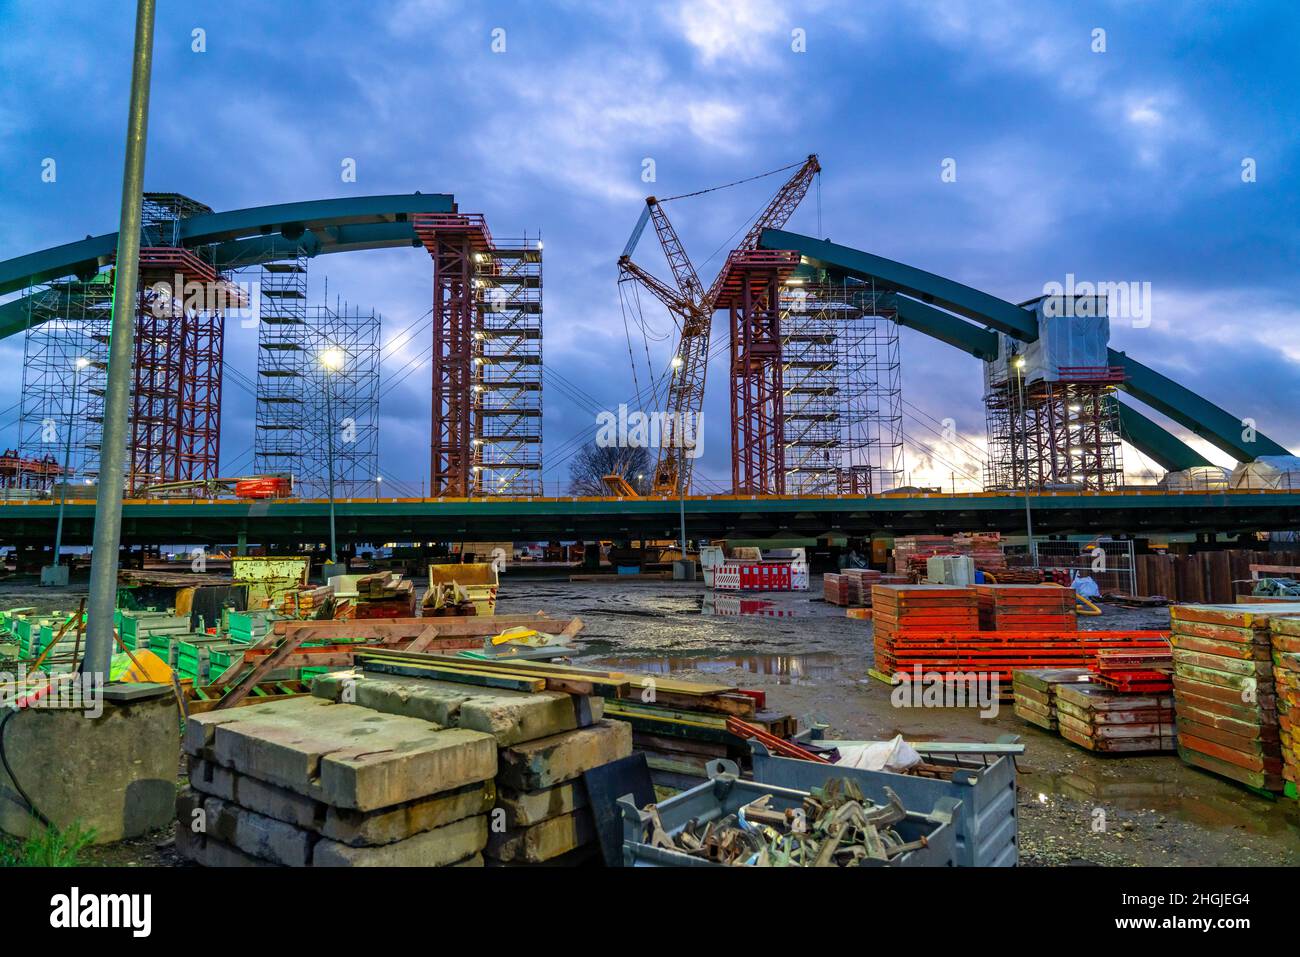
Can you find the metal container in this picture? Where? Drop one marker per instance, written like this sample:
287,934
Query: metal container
984,826
725,793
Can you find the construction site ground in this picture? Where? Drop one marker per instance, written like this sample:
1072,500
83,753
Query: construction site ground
812,661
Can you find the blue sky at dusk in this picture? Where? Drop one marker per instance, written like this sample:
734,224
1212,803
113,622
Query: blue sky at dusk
1123,165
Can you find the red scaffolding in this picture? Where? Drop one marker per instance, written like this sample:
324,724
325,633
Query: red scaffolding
750,291
453,241
176,390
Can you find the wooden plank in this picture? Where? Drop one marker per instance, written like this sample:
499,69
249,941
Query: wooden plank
481,678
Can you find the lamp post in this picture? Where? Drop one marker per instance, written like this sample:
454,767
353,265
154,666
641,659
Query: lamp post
1019,363
331,361
53,574
379,479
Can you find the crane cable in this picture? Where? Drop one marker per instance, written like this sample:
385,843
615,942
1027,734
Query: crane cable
748,179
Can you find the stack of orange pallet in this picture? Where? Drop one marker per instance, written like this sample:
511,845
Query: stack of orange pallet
1285,636
1135,671
1026,608
1224,689
921,610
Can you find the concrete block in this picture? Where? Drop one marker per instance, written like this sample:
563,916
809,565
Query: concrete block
523,808
509,716
207,852
389,825
544,841
403,764
254,834
257,796
437,848
536,765
112,770
351,757
200,729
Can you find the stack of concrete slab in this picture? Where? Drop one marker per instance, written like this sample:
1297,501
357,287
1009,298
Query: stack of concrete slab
307,782
1035,691
546,741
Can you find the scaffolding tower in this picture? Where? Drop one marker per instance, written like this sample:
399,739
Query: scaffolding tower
66,322
843,395
507,377
346,383
1055,433
281,439
179,342
1051,409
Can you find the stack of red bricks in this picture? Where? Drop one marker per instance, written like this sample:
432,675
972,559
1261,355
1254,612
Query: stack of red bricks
1026,608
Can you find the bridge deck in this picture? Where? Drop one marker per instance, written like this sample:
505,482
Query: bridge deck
224,521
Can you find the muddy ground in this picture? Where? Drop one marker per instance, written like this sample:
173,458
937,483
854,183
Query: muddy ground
813,663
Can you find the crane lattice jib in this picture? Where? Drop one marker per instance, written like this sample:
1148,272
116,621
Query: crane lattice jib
777,214
688,283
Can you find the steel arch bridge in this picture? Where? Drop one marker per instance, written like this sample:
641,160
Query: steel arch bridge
943,309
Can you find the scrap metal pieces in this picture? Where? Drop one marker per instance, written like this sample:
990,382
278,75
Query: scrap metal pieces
836,826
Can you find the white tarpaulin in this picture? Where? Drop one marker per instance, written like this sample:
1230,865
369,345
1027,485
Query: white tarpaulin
1267,471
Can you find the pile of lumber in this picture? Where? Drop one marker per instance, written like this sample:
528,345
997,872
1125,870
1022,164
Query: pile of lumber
1035,692
306,602
1025,607
1142,672
1284,634
1224,690
1107,721
385,595
918,611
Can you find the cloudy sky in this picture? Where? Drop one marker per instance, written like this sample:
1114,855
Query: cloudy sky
1122,165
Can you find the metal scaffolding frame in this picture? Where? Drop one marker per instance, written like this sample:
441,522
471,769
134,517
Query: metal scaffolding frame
1054,434
346,401
179,342
843,395
285,353
66,321
506,411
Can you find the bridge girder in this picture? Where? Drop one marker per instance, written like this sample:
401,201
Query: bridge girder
918,294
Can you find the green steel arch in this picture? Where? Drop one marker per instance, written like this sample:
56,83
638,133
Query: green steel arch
240,237
941,308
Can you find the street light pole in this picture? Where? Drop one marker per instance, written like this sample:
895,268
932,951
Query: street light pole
67,458
331,360
1024,445
117,389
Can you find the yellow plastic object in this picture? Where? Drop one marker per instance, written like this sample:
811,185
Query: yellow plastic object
147,668
1084,607
517,636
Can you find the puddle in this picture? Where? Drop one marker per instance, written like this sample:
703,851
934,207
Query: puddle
731,606
1134,790
788,669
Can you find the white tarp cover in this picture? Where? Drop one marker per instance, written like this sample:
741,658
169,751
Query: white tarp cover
1063,341
1202,477
1267,471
